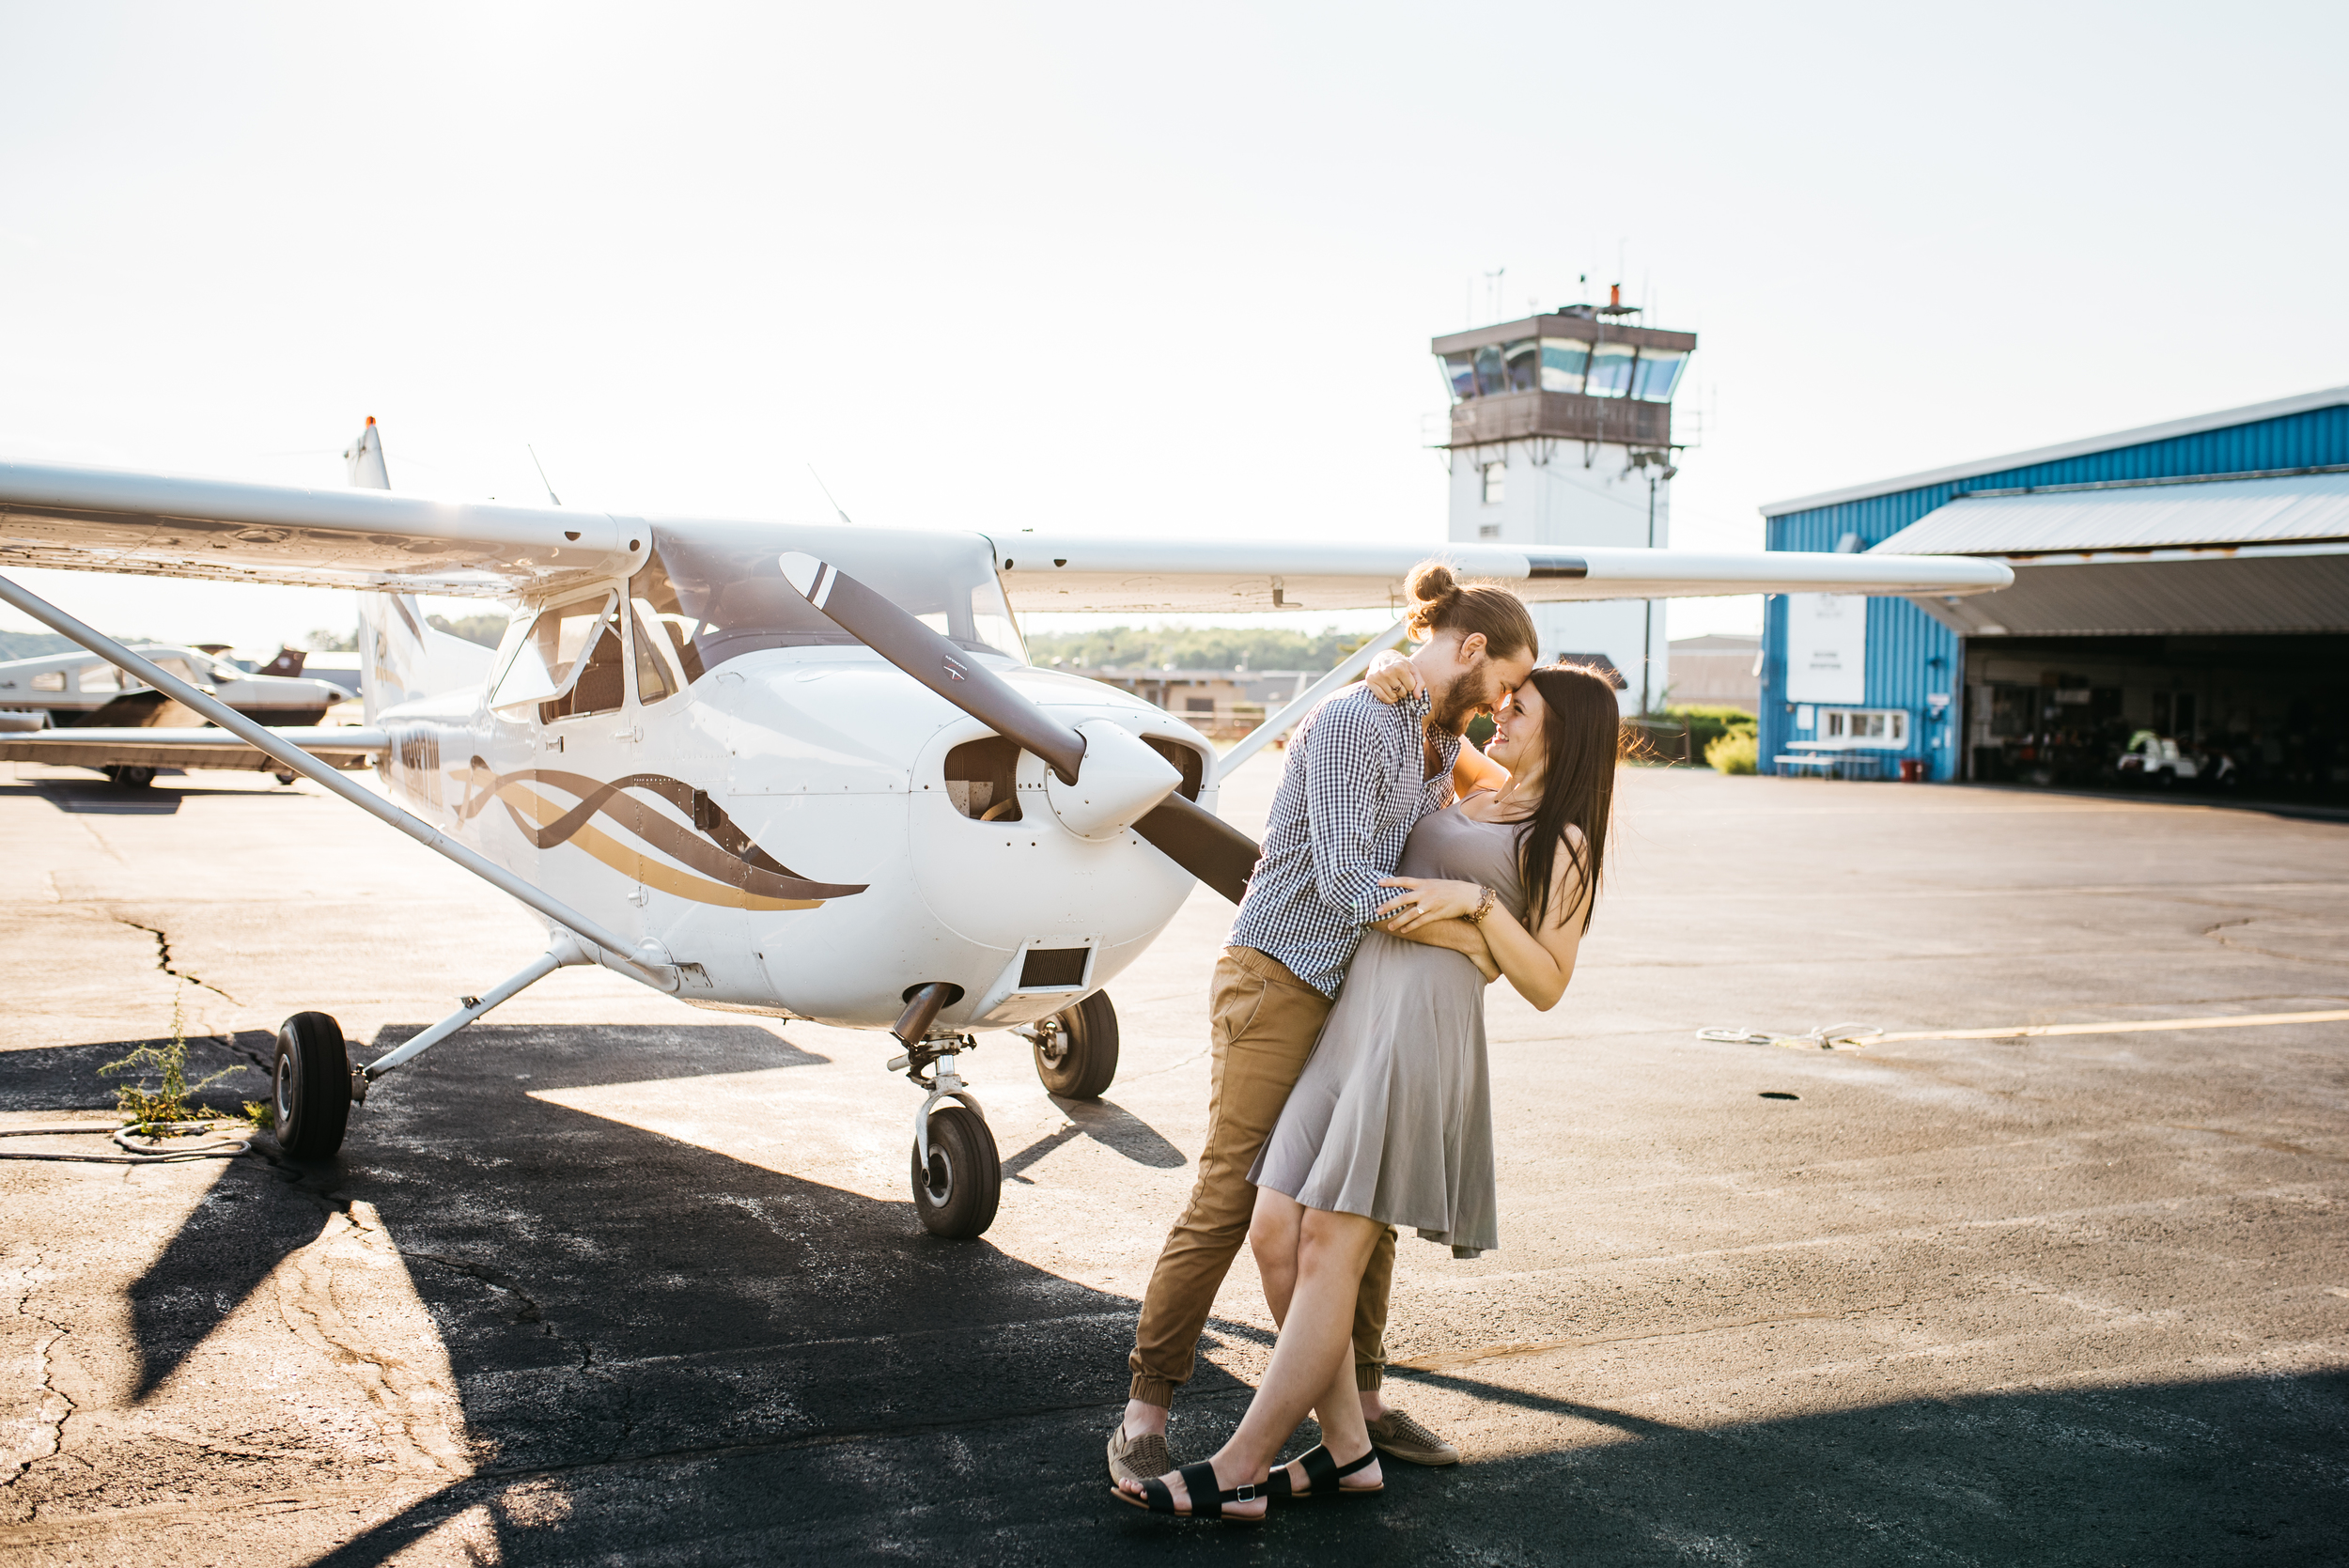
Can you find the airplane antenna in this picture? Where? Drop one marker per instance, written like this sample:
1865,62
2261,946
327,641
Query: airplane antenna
827,489
542,473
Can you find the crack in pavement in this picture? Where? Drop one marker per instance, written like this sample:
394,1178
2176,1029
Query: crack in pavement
47,1423
162,957
413,1408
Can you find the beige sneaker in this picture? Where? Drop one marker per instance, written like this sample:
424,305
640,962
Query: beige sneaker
1140,1458
1398,1437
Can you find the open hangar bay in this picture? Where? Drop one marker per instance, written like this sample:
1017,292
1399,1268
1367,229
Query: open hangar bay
615,1279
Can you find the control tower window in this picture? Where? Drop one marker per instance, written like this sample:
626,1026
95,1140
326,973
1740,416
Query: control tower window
1563,362
1524,372
1658,372
1459,375
1496,480
1492,371
1611,370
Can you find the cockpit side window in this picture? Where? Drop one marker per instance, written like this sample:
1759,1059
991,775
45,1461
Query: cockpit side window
652,675
567,646
601,683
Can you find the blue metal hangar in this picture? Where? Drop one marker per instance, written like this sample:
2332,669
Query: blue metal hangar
2180,613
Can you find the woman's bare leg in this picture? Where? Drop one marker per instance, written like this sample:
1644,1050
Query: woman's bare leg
1316,1344
1272,1236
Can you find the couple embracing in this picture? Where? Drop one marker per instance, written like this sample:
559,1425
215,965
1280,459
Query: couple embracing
1402,872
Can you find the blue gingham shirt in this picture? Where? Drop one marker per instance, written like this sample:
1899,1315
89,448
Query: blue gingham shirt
1350,794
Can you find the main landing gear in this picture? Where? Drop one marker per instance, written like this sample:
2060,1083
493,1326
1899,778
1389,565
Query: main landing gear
1076,1051
311,1086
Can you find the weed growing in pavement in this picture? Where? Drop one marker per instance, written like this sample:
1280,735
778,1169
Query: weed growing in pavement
262,1114
152,1110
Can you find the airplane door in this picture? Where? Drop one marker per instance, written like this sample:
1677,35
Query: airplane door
569,681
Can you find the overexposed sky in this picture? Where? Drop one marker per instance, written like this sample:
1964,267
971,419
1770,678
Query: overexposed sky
1128,269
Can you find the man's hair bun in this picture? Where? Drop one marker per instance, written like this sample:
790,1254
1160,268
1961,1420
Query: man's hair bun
1440,602
1433,591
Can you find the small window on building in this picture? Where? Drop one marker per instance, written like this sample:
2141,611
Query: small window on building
1492,371
1496,477
1488,530
1564,361
1459,374
1886,727
1522,356
1198,705
1611,370
1658,372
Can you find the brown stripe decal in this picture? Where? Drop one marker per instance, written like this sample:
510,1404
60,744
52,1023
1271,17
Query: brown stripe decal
727,855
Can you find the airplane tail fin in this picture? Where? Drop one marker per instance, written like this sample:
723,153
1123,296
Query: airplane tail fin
363,458
403,656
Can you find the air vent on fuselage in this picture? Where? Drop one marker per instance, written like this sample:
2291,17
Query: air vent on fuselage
1047,968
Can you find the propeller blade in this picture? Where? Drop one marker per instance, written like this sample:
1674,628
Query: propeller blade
1189,835
1202,844
936,662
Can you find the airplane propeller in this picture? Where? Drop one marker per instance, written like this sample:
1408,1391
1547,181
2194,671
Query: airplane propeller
1105,778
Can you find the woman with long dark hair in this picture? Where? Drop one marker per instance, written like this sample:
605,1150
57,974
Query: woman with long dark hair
1390,1123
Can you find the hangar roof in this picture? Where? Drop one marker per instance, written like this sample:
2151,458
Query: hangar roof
2329,398
2134,515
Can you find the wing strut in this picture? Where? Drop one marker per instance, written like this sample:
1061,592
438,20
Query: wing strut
1288,718
615,954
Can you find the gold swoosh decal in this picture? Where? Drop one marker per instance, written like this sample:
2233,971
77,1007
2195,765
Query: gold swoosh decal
737,874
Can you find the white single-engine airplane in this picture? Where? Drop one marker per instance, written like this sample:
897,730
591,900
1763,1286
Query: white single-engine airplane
804,771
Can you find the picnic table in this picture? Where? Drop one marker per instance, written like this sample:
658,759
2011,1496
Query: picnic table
1834,764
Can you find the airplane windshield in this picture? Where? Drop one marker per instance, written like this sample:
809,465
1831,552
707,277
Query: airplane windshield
719,592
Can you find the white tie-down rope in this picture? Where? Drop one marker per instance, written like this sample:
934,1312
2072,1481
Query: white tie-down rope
140,1153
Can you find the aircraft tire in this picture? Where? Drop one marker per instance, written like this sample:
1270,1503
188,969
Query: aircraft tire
131,778
1088,1058
956,1197
310,1086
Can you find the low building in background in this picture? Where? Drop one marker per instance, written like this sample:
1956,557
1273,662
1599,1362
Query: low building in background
2181,594
1718,670
1223,705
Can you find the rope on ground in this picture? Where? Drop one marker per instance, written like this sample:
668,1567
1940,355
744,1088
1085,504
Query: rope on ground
1828,1036
152,1150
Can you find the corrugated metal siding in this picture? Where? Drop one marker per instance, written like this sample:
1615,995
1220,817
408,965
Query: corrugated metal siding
2148,517
1903,638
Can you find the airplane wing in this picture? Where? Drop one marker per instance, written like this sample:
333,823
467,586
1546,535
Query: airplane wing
192,747
106,519
1045,573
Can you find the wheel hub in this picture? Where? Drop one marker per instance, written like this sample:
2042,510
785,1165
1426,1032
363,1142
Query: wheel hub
940,1184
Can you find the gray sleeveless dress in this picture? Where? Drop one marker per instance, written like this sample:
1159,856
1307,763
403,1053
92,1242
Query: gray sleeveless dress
1393,1116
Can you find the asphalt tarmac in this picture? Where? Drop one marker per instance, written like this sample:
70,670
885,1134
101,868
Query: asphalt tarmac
611,1279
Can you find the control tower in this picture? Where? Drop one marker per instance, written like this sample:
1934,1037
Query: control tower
1562,434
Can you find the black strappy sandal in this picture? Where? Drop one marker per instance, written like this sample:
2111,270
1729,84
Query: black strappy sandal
1205,1501
1324,1473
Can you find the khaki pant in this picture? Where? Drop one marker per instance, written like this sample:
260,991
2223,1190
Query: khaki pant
1265,1023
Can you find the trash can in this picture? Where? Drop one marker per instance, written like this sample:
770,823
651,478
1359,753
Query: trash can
1912,769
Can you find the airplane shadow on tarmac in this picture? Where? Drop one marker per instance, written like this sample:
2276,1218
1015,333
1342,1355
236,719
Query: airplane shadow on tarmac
667,1354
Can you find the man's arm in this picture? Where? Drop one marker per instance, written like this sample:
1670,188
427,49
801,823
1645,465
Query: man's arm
1348,771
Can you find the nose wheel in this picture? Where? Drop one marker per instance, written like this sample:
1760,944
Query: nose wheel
956,1193
957,1175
